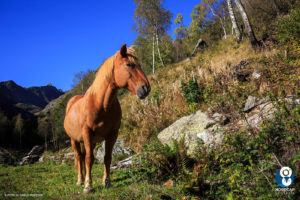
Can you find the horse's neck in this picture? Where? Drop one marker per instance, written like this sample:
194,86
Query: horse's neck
105,97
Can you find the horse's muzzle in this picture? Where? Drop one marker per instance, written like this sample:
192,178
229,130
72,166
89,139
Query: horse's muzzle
143,91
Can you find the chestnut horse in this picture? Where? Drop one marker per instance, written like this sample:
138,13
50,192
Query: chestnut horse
96,116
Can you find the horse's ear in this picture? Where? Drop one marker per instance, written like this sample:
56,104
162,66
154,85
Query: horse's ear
123,50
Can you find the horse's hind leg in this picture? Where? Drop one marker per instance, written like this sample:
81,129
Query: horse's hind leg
109,144
78,161
89,160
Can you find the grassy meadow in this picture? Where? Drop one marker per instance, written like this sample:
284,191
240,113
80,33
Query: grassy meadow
58,181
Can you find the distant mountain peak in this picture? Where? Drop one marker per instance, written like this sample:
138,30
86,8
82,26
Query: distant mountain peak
13,95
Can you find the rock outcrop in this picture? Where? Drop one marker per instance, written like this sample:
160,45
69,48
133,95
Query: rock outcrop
33,156
199,128
263,109
252,102
194,129
119,150
242,71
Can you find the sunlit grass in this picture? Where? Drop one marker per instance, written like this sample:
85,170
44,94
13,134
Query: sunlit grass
58,181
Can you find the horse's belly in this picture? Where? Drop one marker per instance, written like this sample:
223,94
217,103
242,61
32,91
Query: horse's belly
72,127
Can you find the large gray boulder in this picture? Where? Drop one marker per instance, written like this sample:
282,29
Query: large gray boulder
119,151
33,156
194,129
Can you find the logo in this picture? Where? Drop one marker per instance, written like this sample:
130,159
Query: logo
284,177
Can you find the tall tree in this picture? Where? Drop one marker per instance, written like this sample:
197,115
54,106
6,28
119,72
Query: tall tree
152,21
5,130
83,80
179,44
181,30
77,78
199,20
233,21
221,16
18,130
247,24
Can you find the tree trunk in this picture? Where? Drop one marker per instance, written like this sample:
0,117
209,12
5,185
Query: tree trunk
247,24
233,21
153,65
224,25
221,20
158,51
200,42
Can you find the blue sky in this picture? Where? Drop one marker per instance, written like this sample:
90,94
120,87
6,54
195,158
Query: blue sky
48,41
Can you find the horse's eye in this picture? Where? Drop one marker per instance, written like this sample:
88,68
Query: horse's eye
130,65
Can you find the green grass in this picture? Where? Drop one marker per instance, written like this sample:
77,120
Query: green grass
58,181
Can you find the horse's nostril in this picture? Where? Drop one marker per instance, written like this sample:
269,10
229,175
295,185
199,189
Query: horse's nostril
142,91
145,88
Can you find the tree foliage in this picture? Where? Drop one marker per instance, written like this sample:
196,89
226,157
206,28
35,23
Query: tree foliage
151,17
199,20
152,22
181,30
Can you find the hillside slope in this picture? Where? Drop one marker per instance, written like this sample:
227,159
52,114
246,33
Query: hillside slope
215,72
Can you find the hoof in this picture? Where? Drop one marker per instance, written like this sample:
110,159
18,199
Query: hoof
79,183
88,190
106,183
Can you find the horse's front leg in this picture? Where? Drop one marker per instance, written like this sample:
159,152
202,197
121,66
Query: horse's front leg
109,144
89,160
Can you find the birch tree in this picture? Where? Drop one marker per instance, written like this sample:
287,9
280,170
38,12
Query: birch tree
152,21
233,21
220,16
247,24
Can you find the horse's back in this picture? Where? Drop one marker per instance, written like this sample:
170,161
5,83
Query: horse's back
72,101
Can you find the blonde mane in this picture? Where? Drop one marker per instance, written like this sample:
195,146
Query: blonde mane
105,71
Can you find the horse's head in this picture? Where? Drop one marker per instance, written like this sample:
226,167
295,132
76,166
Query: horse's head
128,73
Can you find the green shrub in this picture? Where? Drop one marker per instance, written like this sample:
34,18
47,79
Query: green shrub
155,95
288,33
289,27
161,162
191,91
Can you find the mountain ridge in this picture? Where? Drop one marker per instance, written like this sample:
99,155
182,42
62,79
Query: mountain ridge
25,100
